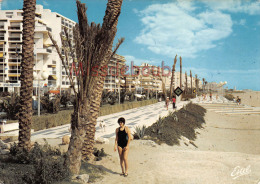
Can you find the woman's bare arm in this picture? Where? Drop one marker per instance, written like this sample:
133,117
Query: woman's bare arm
129,136
116,140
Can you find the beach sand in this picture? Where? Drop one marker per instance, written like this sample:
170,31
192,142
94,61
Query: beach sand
251,98
227,145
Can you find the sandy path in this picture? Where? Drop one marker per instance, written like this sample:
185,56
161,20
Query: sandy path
226,142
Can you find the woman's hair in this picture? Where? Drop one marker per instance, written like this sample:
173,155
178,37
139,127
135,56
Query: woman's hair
121,120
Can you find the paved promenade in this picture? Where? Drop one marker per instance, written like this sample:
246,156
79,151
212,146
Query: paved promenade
146,115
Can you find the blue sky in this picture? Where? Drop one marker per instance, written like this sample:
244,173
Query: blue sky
218,40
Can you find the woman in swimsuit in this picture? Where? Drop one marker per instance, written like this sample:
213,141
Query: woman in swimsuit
122,145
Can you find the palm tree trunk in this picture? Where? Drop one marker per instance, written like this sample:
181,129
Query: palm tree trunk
111,18
180,72
172,77
186,83
191,82
25,113
196,83
93,47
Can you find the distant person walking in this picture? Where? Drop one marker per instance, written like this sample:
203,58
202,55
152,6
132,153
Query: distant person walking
210,96
238,100
167,101
123,137
173,102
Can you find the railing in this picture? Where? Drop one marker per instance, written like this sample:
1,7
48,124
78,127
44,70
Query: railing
14,39
14,71
14,27
14,49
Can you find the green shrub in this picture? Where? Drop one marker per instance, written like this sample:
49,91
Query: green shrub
48,164
99,154
139,132
229,97
11,106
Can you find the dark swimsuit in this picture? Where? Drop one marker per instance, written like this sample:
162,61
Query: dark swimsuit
122,140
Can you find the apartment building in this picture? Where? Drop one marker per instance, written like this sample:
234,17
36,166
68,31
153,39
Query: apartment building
46,58
114,72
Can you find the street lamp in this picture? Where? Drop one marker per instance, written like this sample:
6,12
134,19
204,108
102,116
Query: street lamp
148,91
138,82
118,82
44,76
155,85
150,84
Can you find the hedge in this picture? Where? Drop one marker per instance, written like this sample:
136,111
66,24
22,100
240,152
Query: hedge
63,117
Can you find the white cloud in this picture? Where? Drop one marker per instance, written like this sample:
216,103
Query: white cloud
138,61
173,28
241,22
235,6
45,3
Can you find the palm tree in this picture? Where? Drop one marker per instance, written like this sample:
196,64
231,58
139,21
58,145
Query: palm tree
25,113
203,85
173,70
186,83
93,48
191,82
196,82
180,72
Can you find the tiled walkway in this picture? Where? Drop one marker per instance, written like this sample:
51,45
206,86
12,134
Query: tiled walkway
146,115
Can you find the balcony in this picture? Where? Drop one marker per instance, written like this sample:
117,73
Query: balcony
41,29
43,51
14,49
2,37
15,38
15,28
2,26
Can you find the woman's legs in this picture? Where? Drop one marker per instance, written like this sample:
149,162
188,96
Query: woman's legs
125,157
121,156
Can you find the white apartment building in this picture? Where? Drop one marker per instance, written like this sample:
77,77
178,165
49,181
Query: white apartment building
113,73
46,57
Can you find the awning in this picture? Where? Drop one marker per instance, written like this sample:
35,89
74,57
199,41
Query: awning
41,22
53,77
54,91
13,75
